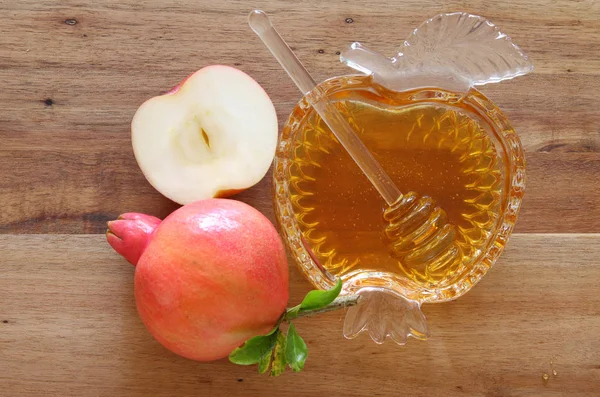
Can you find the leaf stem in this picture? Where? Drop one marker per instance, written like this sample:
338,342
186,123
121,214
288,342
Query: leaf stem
339,303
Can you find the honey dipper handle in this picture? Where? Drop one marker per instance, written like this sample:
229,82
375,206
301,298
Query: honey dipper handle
261,25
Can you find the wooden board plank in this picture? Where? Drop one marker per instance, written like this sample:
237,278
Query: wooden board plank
68,327
68,167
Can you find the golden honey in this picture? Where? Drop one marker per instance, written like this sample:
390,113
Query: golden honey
431,143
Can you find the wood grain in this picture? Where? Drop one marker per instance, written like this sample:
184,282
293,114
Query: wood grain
68,327
73,73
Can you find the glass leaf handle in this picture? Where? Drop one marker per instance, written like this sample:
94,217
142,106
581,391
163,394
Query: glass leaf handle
382,314
452,51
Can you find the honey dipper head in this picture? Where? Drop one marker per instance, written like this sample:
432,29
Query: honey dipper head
421,237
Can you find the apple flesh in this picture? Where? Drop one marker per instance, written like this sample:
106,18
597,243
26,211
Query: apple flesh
213,135
210,276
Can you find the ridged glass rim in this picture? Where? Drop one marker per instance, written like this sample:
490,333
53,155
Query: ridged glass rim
320,278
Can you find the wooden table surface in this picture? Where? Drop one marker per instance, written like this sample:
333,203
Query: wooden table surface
72,73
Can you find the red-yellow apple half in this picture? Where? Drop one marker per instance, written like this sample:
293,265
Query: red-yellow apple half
212,136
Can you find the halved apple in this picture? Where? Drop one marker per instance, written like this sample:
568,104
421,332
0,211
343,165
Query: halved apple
212,136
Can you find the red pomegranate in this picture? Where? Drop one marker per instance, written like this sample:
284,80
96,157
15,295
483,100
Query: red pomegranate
210,276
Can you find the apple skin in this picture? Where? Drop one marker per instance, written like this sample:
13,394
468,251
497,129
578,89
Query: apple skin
213,274
178,86
247,175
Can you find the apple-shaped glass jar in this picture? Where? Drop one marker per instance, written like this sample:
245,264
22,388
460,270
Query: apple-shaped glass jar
433,133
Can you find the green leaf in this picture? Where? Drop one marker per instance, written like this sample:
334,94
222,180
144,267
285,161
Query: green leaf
318,299
279,360
295,349
292,313
274,330
265,362
254,349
